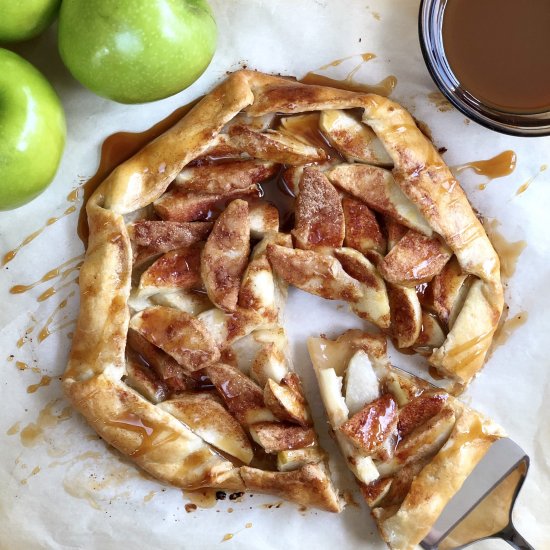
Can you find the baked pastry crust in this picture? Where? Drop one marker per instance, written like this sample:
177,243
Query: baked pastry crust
93,381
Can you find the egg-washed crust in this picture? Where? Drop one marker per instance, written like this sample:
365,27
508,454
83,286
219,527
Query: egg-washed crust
97,360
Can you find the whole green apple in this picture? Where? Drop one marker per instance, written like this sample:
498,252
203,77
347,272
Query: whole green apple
32,131
25,19
135,51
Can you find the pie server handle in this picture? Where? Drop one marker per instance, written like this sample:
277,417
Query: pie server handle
513,538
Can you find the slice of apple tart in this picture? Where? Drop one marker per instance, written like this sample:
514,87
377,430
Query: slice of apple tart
409,444
179,358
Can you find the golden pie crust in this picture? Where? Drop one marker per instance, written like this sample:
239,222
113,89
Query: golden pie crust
149,217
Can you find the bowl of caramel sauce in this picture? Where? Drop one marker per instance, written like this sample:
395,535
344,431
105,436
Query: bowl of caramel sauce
491,59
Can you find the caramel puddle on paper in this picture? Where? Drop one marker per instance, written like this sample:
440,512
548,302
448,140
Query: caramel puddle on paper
384,87
61,272
508,251
440,102
9,256
505,328
525,186
81,480
33,433
203,498
498,166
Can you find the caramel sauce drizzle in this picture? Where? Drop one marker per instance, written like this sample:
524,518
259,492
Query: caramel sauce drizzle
151,432
384,87
498,166
9,256
62,271
522,188
47,330
367,56
44,381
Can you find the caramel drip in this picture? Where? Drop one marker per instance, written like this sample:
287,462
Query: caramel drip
151,432
73,195
58,272
14,429
44,381
499,166
47,329
149,496
384,87
34,471
522,188
364,56
8,257
118,148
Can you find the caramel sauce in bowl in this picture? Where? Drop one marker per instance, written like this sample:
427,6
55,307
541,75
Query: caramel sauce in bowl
491,59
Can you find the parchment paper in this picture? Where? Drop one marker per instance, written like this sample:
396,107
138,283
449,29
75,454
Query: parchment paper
61,487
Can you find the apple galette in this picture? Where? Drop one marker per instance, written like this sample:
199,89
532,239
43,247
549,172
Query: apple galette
179,357
409,444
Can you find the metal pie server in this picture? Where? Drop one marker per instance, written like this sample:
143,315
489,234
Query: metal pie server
504,462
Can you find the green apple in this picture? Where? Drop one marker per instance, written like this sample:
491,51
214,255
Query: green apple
25,19
32,131
135,51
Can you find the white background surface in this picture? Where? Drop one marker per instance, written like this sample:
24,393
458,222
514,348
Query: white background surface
84,495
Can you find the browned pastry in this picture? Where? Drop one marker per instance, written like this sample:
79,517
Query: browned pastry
410,445
180,323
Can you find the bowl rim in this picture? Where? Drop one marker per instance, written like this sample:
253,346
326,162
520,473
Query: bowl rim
466,103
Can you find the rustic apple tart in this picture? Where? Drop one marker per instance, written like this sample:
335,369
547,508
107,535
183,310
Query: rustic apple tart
409,444
179,359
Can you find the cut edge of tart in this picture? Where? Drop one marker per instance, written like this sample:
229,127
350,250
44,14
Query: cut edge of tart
409,444
179,318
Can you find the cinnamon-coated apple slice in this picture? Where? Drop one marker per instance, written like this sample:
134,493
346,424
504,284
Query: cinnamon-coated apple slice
315,273
152,237
225,255
355,141
275,437
224,178
377,188
362,229
414,260
243,397
274,146
177,333
318,213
